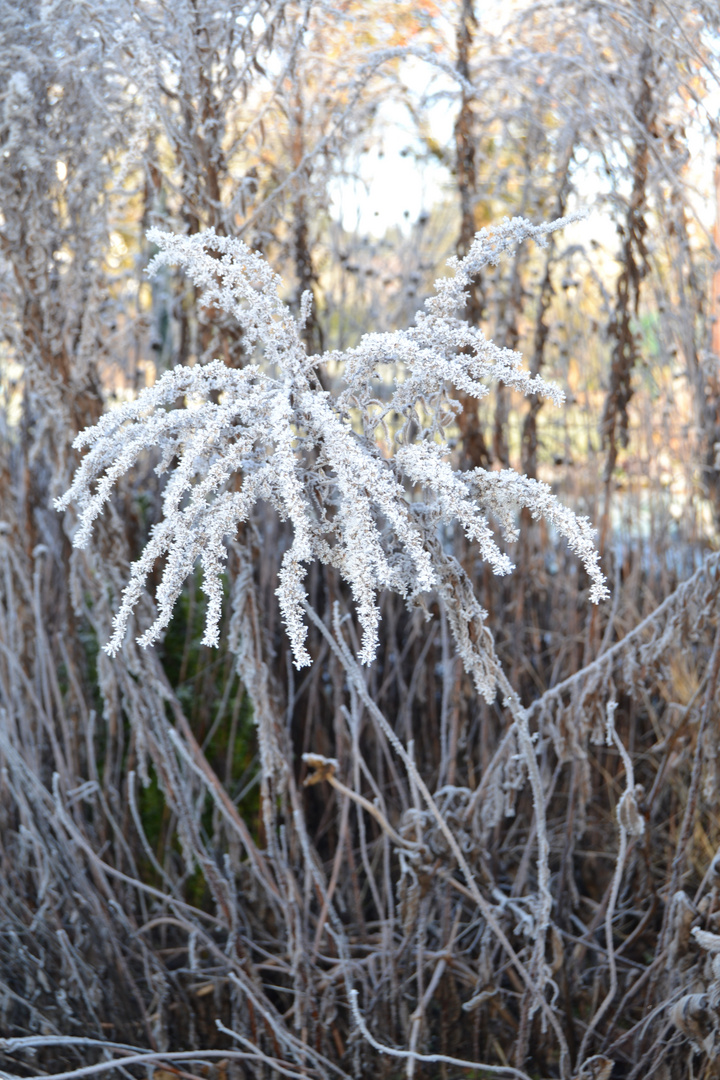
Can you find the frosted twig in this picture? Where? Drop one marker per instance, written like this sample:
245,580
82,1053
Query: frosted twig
340,649
417,1016
440,1059
629,823
686,827
328,774
152,1057
676,601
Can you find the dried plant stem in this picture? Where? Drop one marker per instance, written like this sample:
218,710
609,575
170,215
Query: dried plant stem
149,1057
688,821
440,1059
612,737
373,811
340,649
417,1016
676,602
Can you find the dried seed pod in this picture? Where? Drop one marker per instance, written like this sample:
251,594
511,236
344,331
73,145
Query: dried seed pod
693,1016
628,813
681,918
707,940
324,768
597,1067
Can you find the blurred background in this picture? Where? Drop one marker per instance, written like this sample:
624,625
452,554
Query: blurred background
358,145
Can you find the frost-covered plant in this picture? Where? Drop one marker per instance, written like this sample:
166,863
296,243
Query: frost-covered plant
365,502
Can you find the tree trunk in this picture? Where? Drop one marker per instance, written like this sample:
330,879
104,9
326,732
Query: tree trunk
475,451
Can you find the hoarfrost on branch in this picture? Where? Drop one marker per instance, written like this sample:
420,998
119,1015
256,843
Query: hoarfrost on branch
368,507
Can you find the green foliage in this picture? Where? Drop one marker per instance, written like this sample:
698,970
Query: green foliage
214,699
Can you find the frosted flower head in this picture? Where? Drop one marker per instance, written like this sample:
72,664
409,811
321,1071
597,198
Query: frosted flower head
267,432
